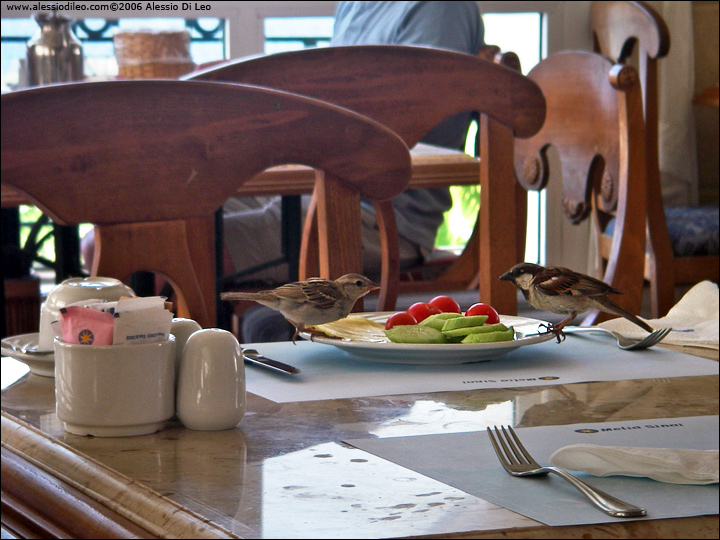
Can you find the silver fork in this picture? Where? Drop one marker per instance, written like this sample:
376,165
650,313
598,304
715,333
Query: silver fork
628,344
516,460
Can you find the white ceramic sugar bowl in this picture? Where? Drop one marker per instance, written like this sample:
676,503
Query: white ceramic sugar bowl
211,381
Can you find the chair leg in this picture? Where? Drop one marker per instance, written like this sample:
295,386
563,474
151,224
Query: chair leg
166,248
659,265
498,217
338,222
309,251
390,272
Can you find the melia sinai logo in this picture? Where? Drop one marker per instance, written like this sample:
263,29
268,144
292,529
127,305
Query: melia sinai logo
586,430
86,337
548,378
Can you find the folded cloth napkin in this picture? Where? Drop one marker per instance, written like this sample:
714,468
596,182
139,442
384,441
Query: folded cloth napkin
671,465
694,319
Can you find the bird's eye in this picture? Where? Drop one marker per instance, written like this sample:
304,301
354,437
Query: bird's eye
358,283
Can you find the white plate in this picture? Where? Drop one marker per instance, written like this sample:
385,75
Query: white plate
43,365
526,333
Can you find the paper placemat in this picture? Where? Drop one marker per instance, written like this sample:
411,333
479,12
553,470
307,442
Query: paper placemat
467,461
329,373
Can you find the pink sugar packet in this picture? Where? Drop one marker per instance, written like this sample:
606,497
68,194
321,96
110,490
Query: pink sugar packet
85,326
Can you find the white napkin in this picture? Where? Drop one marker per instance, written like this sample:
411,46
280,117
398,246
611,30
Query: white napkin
694,319
671,465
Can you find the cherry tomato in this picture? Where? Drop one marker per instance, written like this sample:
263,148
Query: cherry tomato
484,309
421,311
400,319
445,304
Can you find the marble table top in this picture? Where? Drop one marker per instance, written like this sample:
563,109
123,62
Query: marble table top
284,471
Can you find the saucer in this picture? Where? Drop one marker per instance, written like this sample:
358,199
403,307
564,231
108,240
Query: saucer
43,365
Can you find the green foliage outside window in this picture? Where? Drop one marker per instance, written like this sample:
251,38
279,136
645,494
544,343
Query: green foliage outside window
36,233
459,221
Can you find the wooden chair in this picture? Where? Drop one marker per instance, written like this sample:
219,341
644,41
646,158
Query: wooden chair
619,27
411,90
150,162
444,270
595,124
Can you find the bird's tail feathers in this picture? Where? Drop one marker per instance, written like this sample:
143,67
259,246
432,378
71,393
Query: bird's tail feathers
238,296
630,317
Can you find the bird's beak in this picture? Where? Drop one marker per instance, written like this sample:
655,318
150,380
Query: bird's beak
373,287
506,277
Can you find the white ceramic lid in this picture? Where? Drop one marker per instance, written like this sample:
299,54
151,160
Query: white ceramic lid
77,289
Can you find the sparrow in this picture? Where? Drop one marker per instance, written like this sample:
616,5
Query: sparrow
565,292
312,302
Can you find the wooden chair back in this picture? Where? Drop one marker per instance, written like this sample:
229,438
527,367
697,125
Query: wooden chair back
411,90
620,30
150,162
462,271
595,125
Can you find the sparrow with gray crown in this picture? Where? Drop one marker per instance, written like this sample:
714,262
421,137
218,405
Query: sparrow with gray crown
566,292
312,302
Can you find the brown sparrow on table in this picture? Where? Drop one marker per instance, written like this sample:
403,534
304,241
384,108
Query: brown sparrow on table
311,302
565,292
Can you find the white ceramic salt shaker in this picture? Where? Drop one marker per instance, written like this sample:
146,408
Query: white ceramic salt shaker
211,383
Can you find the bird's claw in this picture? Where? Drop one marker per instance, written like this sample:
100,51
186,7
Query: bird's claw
306,330
559,334
312,332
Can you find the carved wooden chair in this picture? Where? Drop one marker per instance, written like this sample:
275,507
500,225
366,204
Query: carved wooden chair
150,162
682,247
412,89
594,124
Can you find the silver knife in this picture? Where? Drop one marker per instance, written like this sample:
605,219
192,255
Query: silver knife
251,356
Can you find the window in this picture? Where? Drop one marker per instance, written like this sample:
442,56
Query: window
207,42
293,33
521,33
517,32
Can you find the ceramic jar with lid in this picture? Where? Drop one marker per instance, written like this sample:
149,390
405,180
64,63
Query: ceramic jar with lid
211,381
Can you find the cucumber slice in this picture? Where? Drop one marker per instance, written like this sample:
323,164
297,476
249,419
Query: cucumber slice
463,322
415,334
492,337
437,321
484,329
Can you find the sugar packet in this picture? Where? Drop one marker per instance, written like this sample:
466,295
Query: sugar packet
141,320
85,326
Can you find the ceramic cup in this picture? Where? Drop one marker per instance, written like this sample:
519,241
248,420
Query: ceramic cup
74,290
115,390
211,384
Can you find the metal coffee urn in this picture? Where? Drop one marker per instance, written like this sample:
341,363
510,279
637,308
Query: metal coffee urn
54,54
